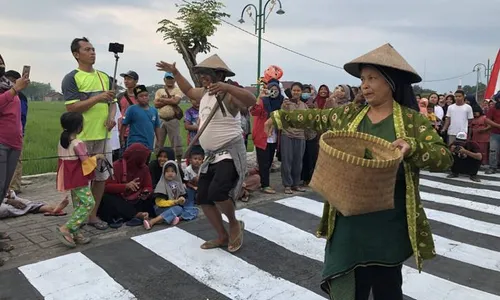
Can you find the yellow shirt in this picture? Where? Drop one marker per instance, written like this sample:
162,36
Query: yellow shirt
174,92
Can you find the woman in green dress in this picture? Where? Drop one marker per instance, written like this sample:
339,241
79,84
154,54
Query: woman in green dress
366,252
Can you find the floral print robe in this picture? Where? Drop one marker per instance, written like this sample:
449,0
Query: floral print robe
427,151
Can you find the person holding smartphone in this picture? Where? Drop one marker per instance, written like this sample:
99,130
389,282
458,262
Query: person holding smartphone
12,75
11,135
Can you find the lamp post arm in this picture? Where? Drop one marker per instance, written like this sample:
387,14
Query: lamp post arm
256,14
479,64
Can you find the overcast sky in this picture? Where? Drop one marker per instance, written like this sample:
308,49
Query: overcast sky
439,38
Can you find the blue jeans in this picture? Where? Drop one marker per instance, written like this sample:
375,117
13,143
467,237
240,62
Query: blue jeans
169,213
494,149
191,197
190,211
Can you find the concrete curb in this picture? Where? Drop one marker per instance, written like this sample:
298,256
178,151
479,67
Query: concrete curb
34,176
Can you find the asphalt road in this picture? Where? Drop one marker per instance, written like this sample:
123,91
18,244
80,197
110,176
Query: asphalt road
280,259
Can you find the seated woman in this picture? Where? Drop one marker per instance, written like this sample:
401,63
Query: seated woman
156,166
127,195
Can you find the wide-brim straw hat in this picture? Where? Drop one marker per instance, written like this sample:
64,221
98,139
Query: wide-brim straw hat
385,56
215,63
351,183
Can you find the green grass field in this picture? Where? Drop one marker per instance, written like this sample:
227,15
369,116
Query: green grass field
42,136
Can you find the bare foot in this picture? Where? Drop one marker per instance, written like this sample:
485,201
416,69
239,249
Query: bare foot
218,243
236,236
142,215
65,236
62,205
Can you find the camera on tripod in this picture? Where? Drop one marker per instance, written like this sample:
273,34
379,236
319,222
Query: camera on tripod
115,48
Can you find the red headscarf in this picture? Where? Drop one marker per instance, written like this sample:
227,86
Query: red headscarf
135,158
320,101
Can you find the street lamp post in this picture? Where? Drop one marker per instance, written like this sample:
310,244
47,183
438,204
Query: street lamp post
260,25
477,68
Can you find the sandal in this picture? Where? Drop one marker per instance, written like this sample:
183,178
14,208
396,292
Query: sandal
55,213
134,222
245,197
101,225
117,223
212,244
268,190
79,239
6,247
288,191
63,238
298,189
235,245
146,225
4,236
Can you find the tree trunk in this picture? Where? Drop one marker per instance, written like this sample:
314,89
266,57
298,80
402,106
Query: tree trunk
189,58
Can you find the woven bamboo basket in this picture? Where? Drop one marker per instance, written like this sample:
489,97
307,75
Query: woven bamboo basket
349,182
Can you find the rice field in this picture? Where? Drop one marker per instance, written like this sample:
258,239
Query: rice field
42,136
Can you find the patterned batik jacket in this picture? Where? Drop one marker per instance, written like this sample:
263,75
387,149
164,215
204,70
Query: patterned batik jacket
427,151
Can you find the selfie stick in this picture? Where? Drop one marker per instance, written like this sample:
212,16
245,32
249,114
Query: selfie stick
113,87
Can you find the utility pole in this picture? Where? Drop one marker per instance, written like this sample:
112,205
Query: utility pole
260,26
488,70
477,68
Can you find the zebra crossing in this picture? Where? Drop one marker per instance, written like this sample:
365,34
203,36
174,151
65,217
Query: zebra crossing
281,258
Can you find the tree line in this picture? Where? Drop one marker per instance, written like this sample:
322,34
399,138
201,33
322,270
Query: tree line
468,90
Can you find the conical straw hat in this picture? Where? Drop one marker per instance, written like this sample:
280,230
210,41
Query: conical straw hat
385,56
214,62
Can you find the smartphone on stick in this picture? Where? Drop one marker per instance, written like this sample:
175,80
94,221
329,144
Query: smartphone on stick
26,71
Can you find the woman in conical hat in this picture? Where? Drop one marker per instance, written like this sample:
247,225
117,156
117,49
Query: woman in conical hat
224,169
366,252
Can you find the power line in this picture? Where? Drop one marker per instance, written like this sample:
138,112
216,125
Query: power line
315,59
283,47
449,78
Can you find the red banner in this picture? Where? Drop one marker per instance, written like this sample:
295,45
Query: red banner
494,84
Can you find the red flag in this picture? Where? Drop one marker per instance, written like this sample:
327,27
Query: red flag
494,83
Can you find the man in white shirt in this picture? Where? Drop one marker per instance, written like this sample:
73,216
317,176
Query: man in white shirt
223,171
458,117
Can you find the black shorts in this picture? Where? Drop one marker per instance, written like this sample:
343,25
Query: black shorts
215,185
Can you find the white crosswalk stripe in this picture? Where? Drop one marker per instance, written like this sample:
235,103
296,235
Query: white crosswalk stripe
281,258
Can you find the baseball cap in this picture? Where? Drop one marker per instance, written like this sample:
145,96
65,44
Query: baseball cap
462,136
139,89
169,74
131,74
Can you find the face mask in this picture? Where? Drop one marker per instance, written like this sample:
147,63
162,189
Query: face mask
2,71
306,96
273,94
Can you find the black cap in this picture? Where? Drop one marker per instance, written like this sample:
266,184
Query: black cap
139,89
131,74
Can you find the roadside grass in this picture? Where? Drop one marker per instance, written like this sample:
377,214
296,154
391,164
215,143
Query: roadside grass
42,136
